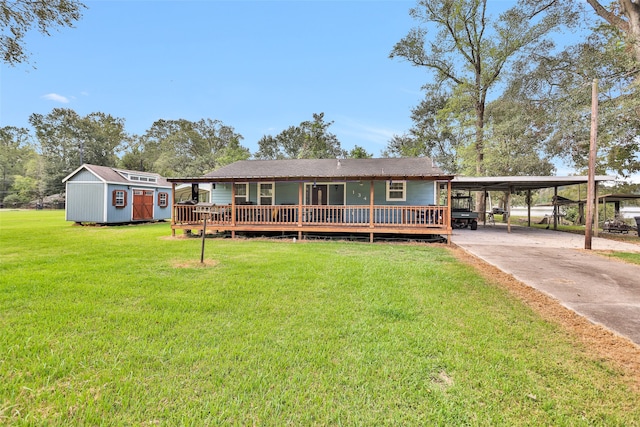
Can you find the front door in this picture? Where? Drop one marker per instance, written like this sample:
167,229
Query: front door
319,194
142,205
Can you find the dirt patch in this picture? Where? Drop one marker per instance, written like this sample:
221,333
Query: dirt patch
597,340
208,263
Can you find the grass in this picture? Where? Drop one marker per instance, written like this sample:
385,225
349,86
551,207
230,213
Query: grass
120,326
631,257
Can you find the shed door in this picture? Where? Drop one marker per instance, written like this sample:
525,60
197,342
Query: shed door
142,204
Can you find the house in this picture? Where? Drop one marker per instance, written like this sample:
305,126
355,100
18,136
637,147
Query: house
106,195
372,196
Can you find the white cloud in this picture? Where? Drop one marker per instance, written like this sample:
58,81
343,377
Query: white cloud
365,132
56,98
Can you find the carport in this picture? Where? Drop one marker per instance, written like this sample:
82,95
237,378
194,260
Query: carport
511,184
617,200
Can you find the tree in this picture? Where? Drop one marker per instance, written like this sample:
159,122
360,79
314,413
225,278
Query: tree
185,148
68,140
515,140
471,49
436,133
309,140
556,90
358,152
17,17
624,15
16,148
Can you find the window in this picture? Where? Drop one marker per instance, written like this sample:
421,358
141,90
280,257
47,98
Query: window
265,193
119,198
396,191
142,178
242,192
163,200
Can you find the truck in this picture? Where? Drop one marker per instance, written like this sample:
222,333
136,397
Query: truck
462,215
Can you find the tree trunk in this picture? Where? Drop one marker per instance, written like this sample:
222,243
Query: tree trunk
632,11
480,155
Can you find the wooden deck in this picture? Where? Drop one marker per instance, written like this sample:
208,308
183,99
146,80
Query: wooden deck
312,218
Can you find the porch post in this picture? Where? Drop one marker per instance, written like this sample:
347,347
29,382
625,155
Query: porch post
300,208
448,222
173,208
371,212
233,209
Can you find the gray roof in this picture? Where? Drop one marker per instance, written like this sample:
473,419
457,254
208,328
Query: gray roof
325,169
114,176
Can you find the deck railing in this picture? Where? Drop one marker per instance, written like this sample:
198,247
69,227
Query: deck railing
329,215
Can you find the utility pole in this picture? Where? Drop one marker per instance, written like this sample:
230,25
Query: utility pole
591,182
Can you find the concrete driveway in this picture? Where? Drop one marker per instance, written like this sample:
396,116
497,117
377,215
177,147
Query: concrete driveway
605,291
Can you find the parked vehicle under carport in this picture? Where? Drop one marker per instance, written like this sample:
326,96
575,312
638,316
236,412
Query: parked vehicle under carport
462,216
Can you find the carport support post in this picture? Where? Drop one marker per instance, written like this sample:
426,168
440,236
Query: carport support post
596,214
529,208
484,208
509,209
555,208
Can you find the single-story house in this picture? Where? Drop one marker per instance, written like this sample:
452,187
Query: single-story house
372,196
106,195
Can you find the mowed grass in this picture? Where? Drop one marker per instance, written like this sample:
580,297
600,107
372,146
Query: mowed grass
119,326
631,257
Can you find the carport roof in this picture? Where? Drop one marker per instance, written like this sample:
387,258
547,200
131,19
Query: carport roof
619,197
517,183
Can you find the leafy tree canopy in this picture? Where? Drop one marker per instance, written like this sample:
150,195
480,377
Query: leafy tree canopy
17,17
309,140
185,148
16,149
555,90
67,140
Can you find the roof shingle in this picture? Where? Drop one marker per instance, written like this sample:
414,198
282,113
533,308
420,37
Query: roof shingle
394,168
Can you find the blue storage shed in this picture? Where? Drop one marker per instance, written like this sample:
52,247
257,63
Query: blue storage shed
106,195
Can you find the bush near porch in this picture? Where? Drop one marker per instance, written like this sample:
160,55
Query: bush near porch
121,326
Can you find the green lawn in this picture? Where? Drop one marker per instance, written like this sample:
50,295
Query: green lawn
119,326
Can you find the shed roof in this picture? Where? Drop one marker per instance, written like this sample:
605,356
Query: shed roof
324,169
117,176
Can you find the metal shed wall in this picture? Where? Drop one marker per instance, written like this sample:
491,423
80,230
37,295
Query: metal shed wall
84,176
117,215
85,201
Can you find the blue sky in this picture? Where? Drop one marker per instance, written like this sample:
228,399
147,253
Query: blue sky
258,66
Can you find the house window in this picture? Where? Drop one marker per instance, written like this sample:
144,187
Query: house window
396,191
242,192
266,193
163,200
119,198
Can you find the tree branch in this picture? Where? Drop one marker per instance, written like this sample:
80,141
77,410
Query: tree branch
610,17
